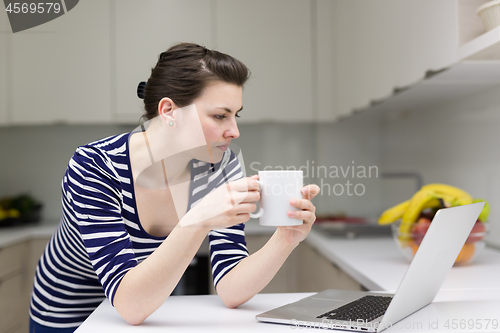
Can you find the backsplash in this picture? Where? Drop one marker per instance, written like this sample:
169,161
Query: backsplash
35,159
454,144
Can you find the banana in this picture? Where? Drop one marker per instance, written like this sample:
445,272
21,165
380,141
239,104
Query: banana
429,196
423,198
454,195
394,213
485,212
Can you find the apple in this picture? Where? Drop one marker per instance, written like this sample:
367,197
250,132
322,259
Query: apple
419,229
477,233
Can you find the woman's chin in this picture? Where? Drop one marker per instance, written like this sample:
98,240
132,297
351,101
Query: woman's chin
214,158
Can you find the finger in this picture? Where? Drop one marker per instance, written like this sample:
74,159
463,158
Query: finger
304,215
244,208
256,177
251,196
244,197
244,185
310,191
303,204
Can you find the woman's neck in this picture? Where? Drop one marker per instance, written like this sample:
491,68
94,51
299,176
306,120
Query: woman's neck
155,151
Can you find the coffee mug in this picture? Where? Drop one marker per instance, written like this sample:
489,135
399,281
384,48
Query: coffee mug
277,188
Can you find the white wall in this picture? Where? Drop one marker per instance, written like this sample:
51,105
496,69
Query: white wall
354,143
454,144
34,158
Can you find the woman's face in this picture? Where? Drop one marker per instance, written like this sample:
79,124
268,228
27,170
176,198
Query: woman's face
218,108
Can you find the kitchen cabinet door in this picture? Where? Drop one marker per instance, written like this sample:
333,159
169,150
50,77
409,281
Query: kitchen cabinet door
144,29
317,273
5,32
389,44
12,261
273,38
325,90
61,69
11,310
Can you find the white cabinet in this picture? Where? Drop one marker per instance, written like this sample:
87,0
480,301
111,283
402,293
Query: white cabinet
324,62
60,69
311,60
4,77
273,38
144,29
316,273
386,44
12,284
17,270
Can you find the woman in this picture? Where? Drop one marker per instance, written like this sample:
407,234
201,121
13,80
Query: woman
175,176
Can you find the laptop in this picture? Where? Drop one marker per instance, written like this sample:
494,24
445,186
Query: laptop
362,311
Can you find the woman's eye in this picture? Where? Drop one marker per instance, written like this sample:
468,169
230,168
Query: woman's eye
237,115
220,117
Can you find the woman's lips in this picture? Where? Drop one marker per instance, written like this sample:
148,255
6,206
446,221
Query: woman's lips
223,147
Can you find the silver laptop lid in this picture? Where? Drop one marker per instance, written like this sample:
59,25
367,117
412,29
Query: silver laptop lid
432,262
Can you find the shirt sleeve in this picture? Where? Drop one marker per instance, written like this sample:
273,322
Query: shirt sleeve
93,191
227,246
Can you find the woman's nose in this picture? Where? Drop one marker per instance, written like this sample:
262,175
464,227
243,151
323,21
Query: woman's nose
232,132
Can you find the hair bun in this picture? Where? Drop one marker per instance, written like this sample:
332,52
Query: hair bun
141,88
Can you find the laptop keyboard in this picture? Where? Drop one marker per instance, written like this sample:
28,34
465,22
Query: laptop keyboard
366,309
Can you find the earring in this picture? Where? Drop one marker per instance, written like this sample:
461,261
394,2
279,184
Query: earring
171,123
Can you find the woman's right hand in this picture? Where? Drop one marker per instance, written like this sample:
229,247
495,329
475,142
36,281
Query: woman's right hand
230,204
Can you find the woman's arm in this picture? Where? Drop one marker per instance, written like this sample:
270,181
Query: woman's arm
145,287
253,273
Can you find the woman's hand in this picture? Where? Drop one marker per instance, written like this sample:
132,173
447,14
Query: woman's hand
296,234
230,204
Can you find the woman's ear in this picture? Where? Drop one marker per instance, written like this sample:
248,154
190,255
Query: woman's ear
166,109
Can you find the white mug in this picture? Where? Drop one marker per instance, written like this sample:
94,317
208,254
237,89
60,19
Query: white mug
277,188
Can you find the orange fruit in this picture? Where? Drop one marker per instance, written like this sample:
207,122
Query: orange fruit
465,254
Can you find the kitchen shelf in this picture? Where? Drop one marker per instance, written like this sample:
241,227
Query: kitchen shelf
484,47
462,79
477,69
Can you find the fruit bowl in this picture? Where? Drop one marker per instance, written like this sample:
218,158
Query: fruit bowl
408,242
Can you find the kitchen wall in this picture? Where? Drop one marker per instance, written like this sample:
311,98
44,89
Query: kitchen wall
455,143
34,159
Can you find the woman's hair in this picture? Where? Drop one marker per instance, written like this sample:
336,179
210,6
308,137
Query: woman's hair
183,71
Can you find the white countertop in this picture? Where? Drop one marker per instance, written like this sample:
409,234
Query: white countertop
12,235
470,292
207,313
377,264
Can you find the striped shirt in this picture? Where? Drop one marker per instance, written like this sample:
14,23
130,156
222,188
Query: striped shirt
100,238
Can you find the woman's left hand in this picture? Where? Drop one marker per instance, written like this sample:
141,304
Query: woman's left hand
296,234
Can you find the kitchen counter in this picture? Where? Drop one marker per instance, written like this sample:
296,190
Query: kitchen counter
12,235
373,262
207,313
377,264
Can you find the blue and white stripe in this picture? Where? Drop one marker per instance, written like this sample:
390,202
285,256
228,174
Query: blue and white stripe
100,238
